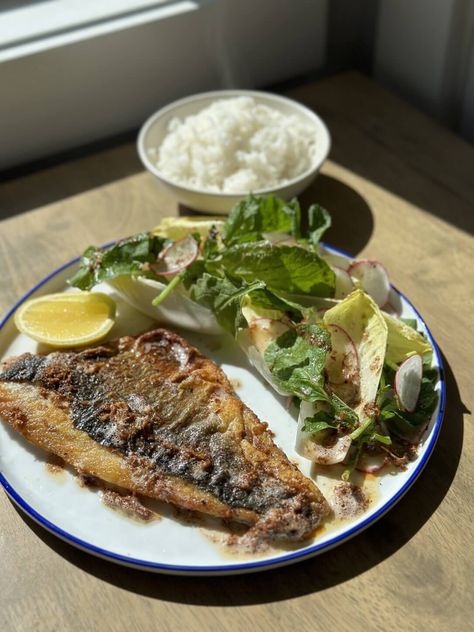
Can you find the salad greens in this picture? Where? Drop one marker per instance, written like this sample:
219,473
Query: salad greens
297,358
250,219
407,424
125,258
223,297
287,269
231,261
263,277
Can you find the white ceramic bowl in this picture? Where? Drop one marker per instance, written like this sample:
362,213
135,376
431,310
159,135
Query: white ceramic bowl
155,129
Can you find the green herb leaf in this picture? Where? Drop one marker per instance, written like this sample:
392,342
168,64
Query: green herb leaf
343,413
296,360
319,221
249,219
224,298
318,422
400,422
125,258
287,269
385,439
268,300
211,247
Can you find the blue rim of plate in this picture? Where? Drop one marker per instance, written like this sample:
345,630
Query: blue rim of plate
247,567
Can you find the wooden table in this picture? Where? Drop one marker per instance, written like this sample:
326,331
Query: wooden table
400,189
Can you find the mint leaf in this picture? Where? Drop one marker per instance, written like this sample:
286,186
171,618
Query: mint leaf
287,269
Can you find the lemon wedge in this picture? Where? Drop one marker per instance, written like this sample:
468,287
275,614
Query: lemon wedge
67,319
179,227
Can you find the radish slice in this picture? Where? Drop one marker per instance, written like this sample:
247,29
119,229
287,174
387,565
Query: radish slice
328,455
373,278
371,463
344,284
334,259
176,256
342,364
408,382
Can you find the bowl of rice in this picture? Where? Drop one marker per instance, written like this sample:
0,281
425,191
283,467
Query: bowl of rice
213,149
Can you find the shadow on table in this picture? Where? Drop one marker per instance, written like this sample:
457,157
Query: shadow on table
352,219
70,173
347,208
419,185
341,564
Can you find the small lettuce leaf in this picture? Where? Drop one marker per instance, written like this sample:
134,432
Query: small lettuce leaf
403,340
287,269
361,319
249,219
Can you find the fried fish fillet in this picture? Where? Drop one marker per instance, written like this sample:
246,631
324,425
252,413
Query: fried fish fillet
154,416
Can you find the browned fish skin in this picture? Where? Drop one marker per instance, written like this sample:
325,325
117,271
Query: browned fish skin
173,416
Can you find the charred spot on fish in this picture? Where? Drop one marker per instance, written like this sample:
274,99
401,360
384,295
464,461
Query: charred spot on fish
24,369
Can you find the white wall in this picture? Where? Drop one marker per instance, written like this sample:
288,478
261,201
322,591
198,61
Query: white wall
72,89
423,50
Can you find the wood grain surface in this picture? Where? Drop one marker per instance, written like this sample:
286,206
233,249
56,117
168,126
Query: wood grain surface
400,189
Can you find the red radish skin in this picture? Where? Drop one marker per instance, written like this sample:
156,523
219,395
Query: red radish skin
177,256
343,360
344,284
373,278
407,383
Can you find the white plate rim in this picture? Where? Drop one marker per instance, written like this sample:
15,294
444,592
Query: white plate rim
246,567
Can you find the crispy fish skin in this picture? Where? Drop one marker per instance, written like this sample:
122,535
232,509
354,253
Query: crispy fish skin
152,415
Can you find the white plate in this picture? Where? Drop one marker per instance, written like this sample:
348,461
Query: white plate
170,545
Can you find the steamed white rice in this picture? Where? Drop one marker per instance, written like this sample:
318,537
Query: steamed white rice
236,145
